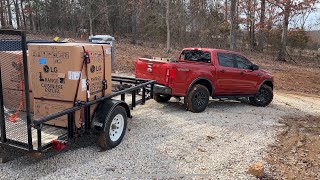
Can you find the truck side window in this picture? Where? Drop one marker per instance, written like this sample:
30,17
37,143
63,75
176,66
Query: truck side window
226,60
196,55
243,63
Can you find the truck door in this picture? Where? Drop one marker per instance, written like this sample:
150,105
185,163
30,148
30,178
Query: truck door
248,78
227,82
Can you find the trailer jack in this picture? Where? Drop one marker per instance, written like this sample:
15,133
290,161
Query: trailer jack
58,145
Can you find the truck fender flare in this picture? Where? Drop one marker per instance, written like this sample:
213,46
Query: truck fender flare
197,80
104,111
266,81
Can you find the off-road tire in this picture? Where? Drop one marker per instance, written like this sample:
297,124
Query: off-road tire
104,140
263,97
197,99
161,98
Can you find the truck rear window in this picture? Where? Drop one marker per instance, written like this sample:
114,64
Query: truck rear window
196,55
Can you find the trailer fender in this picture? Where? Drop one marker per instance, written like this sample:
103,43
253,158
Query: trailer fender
104,111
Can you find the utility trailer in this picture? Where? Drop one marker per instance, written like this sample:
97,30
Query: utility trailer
108,120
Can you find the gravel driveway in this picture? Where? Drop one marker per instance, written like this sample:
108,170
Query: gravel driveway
164,141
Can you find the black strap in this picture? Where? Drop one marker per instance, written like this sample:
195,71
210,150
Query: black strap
104,81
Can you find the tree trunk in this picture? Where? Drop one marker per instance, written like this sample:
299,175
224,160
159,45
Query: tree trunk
262,26
3,20
31,18
252,20
134,23
284,38
233,35
168,26
23,15
9,14
17,12
226,10
90,26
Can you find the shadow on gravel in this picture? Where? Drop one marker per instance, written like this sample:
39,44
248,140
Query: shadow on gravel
11,154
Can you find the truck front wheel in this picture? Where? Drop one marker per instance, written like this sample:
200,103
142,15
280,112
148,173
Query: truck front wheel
263,97
197,99
161,98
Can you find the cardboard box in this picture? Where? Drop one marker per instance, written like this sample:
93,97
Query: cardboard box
46,107
43,108
12,70
61,77
108,67
11,100
59,71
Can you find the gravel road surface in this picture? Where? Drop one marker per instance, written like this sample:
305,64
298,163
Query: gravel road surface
164,141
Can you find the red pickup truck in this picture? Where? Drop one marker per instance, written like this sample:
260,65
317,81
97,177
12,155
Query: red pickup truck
199,73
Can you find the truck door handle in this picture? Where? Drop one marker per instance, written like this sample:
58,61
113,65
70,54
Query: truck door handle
223,71
241,73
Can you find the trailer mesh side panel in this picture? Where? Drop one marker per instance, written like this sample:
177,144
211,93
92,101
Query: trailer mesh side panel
14,101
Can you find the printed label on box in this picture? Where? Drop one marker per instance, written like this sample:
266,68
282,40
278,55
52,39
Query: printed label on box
74,75
42,61
84,84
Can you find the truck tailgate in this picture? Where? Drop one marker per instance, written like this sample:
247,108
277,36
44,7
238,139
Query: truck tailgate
151,69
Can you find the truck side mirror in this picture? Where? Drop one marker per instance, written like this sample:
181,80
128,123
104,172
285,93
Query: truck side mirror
254,67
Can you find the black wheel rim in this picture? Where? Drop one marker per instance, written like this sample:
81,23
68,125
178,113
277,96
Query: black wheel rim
200,99
262,96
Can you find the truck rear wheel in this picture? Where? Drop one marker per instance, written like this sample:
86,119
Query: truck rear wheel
263,97
161,97
197,99
115,129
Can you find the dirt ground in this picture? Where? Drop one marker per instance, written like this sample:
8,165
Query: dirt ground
296,154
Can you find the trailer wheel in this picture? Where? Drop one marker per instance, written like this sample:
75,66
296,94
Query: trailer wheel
115,129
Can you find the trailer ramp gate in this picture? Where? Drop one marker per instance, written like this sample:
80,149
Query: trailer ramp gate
16,126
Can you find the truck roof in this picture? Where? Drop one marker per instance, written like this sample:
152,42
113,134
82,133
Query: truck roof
213,50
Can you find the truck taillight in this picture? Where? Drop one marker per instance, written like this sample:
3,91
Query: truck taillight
170,75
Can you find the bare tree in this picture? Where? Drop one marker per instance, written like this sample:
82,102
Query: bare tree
2,15
289,9
168,25
9,14
17,12
262,25
233,35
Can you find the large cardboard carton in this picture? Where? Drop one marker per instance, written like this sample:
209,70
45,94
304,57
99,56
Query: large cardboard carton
60,72
62,75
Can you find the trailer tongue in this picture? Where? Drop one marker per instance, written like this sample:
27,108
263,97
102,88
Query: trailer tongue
105,115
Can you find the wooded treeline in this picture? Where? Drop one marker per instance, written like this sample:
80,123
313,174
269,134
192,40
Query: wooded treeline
234,24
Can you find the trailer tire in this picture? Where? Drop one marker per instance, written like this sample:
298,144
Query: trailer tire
115,129
161,98
197,99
